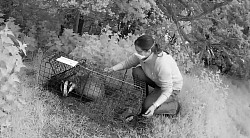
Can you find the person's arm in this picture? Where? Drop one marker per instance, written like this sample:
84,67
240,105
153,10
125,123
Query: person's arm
132,61
166,84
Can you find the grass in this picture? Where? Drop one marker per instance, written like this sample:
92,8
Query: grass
211,107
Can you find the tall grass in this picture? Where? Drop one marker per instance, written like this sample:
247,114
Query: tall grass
239,106
204,113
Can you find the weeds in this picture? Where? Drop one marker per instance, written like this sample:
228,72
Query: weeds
203,110
204,113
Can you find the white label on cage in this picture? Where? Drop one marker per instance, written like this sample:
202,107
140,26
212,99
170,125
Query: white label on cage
67,61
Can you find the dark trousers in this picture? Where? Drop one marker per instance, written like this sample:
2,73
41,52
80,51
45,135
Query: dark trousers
168,107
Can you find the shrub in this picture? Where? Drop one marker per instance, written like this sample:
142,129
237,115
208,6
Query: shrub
10,66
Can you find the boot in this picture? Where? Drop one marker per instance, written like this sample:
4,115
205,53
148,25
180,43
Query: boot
170,108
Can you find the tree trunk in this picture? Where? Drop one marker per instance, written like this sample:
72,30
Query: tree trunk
77,22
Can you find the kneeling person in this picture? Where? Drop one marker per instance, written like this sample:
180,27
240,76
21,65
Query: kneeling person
155,68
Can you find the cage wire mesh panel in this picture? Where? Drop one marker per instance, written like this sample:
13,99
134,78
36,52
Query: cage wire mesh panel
111,94
49,67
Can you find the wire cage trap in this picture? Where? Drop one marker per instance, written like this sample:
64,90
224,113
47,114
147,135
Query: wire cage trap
114,92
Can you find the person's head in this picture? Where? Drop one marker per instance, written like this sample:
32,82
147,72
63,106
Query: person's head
145,45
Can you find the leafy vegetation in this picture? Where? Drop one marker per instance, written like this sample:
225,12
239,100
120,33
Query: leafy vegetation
10,66
214,32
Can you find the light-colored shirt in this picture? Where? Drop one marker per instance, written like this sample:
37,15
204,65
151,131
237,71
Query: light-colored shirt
161,68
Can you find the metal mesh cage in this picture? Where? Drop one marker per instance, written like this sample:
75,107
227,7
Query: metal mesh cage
49,67
114,91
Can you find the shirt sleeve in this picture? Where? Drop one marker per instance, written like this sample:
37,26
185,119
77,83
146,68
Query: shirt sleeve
132,61
165,80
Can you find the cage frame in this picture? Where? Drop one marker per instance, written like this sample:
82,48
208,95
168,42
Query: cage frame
83,64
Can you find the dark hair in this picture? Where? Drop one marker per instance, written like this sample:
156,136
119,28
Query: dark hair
157,49
145,42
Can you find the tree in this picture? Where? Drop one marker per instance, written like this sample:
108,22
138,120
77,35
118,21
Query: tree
214,31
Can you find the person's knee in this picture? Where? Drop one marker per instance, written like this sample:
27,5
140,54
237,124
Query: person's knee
139,74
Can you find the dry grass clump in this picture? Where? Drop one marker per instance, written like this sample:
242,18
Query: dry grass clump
204,111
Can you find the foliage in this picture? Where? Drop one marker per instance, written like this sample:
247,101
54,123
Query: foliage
105,50
216,32
10,66
219,31
201,29
38,20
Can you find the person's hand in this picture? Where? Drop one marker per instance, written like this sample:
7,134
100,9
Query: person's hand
108,70
150,111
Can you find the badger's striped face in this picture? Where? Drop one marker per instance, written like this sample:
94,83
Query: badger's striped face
66,87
